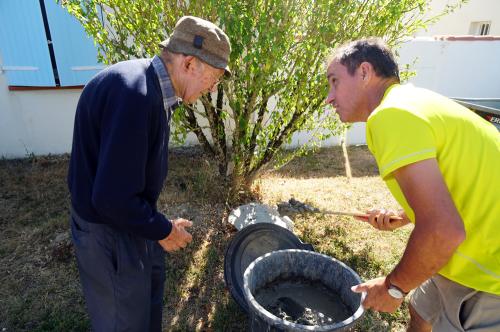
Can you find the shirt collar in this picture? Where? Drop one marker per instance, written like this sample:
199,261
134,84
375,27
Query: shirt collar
170,100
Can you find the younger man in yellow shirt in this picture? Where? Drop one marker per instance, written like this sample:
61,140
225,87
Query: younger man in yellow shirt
441,162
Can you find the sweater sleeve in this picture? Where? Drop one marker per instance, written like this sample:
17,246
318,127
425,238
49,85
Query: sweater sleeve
120,177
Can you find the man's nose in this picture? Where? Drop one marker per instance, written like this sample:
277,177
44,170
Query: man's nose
330,98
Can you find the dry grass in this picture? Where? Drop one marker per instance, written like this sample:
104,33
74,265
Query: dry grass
320,181
39,287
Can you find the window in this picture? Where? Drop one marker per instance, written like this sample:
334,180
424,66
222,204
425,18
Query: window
480,28
41,44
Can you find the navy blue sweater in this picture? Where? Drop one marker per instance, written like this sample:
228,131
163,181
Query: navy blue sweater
119,158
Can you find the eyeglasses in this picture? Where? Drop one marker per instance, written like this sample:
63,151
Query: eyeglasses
210,76
216,79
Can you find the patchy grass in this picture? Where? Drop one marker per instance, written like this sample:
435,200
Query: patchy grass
39,286
320,180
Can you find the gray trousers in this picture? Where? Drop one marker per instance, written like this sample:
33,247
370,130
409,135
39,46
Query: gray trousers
451,307
122,277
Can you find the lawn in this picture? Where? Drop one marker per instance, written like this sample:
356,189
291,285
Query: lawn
39,286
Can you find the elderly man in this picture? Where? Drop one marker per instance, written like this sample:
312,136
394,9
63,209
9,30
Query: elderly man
118,165
441,162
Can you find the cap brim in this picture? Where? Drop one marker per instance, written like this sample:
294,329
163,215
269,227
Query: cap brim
164,43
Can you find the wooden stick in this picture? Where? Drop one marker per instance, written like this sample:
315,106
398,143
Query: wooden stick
355,214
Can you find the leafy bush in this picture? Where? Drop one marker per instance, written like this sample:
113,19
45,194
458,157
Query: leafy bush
278,52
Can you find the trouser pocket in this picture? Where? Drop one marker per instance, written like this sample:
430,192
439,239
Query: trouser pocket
481,312
80,232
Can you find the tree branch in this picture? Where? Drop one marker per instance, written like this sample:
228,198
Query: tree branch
257,128
196,129
218,132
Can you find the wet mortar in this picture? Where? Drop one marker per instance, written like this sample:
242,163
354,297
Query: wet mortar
303,302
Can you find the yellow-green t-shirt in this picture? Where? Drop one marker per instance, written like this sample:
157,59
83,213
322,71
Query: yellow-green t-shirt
413,124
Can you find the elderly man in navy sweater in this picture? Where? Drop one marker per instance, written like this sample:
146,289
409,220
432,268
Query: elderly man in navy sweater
118,164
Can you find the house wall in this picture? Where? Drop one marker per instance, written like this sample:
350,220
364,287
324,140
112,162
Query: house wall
355,136
468,68
38,122
41,122
458,22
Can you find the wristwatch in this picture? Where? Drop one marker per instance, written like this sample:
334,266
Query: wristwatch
395,291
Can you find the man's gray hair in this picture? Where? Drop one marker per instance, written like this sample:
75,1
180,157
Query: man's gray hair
168,56
372,50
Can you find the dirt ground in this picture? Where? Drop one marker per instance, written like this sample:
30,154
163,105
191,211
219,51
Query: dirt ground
39,286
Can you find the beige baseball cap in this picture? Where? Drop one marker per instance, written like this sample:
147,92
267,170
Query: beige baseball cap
202,39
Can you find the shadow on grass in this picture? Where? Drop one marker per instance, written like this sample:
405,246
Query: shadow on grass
39,284
201,302
196,298
37,291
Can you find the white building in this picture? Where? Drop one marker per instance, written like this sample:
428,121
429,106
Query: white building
459,56
476,17
37,120
45,59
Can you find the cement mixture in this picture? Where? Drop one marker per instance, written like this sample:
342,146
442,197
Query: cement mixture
303,302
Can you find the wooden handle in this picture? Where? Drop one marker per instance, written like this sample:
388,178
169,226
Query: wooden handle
355,214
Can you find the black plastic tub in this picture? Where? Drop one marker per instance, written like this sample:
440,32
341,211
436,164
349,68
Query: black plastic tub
250,243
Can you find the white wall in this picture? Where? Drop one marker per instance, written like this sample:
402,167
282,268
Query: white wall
455,68
355,135
41,122
38,122
458,22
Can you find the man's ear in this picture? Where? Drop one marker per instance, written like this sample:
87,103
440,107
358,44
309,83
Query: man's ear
366,71
188,64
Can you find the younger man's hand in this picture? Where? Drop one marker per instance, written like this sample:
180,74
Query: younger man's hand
381,219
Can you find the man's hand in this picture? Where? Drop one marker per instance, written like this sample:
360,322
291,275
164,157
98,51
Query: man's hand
377,297
178,237
381,219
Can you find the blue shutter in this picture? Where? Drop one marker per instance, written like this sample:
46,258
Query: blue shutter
74,50
23,44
